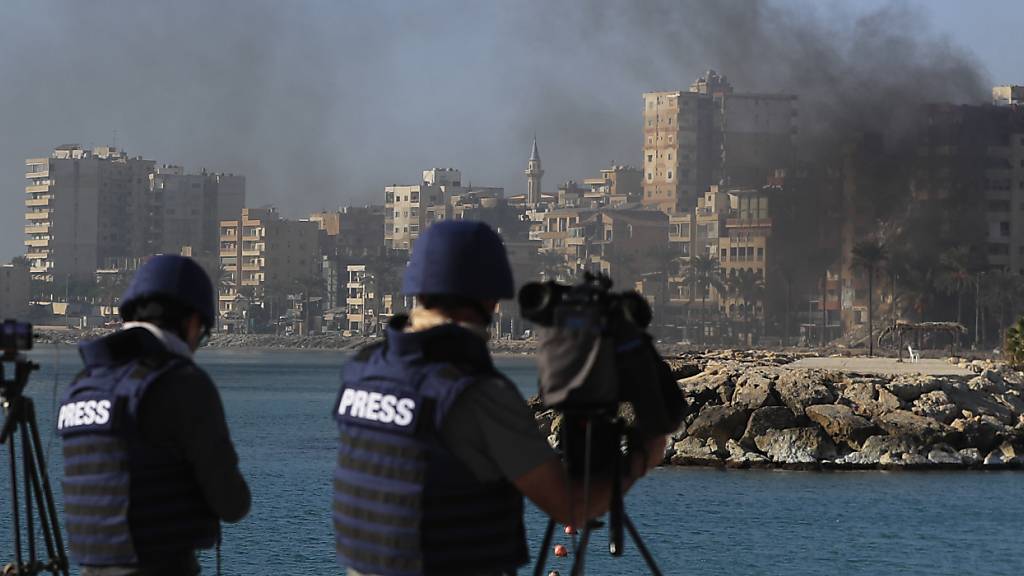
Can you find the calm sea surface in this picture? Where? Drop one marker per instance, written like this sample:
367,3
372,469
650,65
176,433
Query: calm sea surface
695,521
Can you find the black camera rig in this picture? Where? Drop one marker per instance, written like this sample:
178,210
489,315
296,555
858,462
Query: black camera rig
594,357
37,495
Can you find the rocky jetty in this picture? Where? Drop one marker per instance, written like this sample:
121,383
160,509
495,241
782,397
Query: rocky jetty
743,412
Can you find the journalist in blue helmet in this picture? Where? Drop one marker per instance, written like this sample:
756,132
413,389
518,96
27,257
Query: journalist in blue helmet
149,467
437,447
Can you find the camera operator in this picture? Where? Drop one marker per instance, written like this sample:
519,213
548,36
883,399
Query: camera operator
438,448
149,466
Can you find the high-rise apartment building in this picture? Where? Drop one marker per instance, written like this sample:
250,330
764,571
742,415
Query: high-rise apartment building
710,135
83,209
677,149
101,209
265,257
186,209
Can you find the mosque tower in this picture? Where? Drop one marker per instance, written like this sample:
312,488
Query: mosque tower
533,175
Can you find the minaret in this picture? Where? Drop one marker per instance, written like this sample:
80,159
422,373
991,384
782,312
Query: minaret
533,175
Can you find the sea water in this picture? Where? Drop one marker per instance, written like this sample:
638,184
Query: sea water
695,521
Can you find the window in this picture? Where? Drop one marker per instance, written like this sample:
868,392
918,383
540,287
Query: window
650,177
669,155
725,254
1004,228
650,157
669,120
760,254
669,174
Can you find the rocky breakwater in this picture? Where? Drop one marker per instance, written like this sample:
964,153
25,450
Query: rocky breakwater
744,413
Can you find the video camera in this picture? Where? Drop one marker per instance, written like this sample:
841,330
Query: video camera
15,336
594,357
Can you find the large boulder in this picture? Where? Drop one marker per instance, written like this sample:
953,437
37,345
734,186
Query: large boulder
992,384
797,446
909,387
695,451
754,389
719,422
869,398
799,389
841,424
764,419
1012,400
936,405
705,388
739,457
981,432
1005,455
979,403
945,455
970,456
876,447
908,424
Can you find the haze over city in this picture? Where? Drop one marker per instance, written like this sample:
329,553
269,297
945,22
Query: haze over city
324,104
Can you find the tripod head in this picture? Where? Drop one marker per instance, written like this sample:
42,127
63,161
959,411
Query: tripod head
12,390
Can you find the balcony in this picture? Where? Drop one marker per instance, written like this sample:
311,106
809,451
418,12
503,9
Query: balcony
37,243
41,255
748,223
42,174
250,267
33,202
38,228
252,252
42,215
35,189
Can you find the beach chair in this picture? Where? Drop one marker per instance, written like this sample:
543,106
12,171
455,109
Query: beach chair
914,356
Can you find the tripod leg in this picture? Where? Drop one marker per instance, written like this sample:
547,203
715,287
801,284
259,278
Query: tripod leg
26,460
640,545
16,525
49,513
542,554
581,552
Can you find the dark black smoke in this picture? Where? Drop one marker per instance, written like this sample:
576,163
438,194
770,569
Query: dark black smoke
324,103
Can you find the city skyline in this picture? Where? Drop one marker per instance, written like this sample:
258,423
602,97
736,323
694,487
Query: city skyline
306,140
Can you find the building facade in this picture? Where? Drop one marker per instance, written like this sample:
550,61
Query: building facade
84,208
15,291
265,258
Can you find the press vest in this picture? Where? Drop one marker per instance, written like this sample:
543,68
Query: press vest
125,501
404,505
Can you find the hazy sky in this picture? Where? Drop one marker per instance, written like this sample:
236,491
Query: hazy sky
322,104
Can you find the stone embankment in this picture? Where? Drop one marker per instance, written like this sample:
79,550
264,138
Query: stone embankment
754,410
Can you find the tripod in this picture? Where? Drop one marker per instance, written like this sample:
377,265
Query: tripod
21,419
617,517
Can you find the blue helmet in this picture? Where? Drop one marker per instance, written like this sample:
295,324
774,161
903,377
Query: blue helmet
459,258
176,278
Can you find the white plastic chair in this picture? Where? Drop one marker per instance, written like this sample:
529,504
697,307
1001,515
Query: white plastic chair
914,356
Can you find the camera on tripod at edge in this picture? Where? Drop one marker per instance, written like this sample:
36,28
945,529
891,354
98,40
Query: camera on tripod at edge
594,356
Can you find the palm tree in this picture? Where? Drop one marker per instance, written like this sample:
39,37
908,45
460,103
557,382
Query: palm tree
955,277
869,255
1013,344
701,273
747,286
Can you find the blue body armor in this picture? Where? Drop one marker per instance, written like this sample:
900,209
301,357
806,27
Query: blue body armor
404,505
126,501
